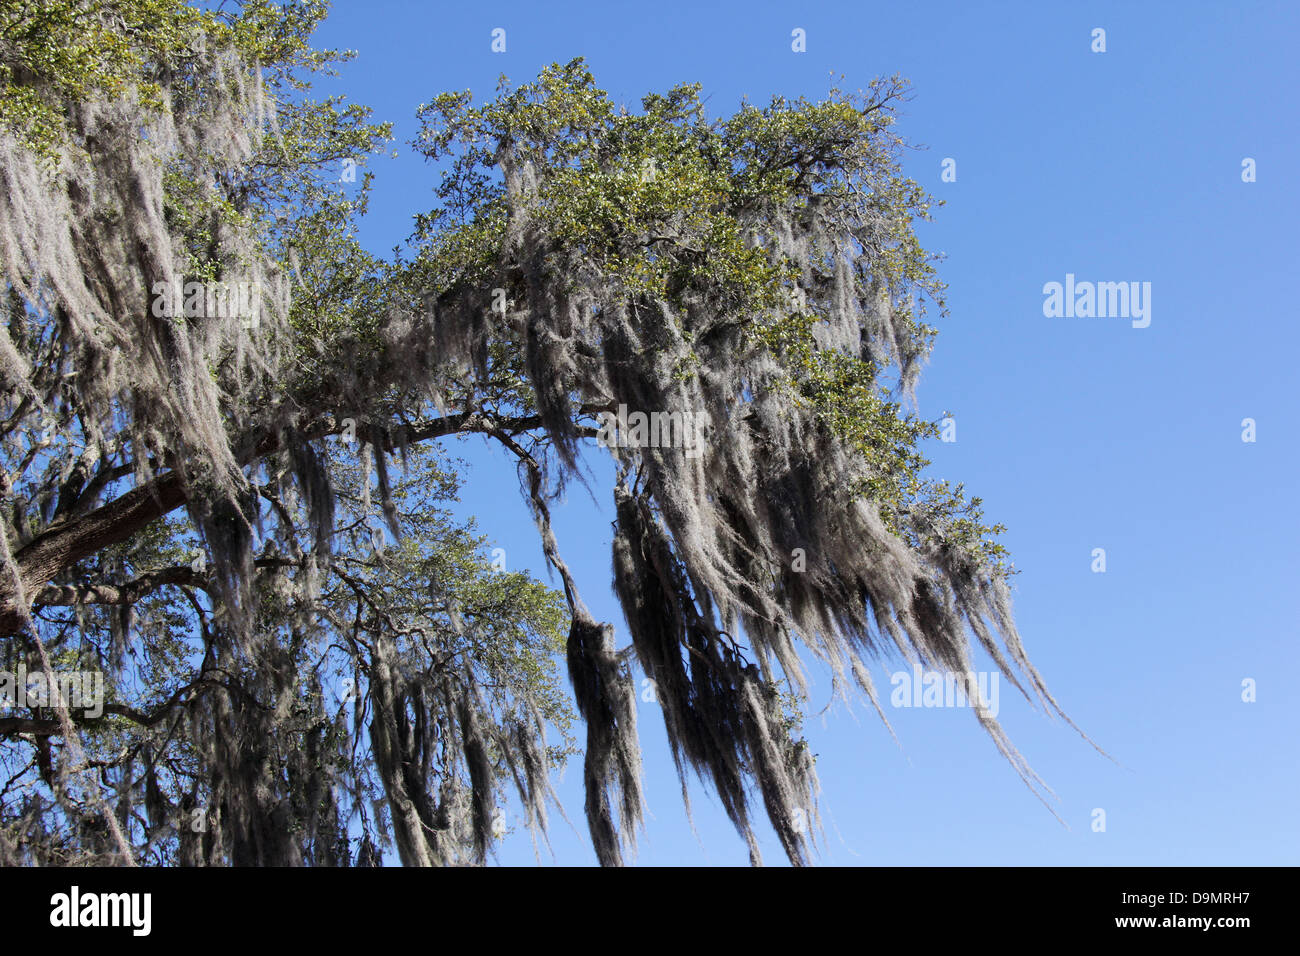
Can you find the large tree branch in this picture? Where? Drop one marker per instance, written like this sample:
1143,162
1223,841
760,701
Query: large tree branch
67,595
67,541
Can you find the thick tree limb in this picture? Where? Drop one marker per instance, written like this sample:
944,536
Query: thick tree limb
67,595
68,541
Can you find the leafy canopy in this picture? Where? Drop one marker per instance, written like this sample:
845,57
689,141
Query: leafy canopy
760,271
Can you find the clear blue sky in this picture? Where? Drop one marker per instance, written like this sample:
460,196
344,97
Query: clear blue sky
1079,433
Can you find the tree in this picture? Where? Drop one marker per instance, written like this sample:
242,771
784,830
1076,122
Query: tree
756,276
